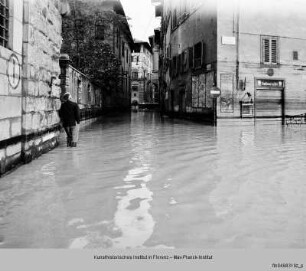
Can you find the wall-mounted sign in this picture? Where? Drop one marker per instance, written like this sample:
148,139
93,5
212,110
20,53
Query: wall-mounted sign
270,84
228,40
13,71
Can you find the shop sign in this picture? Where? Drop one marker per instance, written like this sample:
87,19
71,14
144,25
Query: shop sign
266,83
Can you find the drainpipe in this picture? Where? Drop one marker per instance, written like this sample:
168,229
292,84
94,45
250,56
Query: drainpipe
237,41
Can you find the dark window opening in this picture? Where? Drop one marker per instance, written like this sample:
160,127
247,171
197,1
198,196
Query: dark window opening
295,55
99,30
191,57
118,35
197,55
122,49
4,22
174,19
135,75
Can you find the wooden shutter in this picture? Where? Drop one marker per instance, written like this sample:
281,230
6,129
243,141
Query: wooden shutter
270,50
273,51
266,50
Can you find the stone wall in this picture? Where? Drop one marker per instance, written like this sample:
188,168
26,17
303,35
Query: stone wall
83,91
30,90
11,90
41,90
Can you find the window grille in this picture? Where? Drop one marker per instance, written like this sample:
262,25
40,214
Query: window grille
4,22
270,49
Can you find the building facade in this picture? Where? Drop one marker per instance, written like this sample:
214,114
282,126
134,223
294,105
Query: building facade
98,40
32,79
155,45
253,51
30,42
142,65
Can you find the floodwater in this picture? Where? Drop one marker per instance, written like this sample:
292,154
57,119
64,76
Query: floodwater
137,181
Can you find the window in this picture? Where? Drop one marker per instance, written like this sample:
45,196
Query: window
135,75
185,61
122,49
99,28
197,55
4,22
174,66
270,49
190,57
295,55
174,19
118,35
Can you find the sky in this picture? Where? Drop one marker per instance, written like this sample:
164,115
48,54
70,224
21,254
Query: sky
142,14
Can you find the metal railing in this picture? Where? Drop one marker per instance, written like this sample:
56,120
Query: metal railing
295,119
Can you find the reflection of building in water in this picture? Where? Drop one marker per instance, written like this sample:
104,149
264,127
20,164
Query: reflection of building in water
132,218
239,46
142,64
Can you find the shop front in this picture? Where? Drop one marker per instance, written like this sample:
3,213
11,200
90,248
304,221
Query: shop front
269,98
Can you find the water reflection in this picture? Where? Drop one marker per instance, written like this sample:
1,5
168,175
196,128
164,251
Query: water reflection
137,181
132,217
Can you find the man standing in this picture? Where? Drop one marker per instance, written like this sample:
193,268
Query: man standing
70,117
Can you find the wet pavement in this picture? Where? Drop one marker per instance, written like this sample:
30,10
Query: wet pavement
137,181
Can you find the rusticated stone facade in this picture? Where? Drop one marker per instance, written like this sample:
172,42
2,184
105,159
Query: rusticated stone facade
41,90
29,84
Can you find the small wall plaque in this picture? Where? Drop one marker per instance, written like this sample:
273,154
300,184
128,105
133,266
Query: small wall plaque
228,40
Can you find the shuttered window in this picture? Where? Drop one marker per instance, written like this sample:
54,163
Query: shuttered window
270,50
4,22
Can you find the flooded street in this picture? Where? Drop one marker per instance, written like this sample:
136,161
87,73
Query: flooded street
137,181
